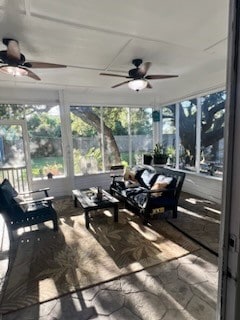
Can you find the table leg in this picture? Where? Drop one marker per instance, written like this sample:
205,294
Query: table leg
116,213
87,219
75,201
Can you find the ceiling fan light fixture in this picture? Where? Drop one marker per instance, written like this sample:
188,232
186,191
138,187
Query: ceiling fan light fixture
138,84
14,71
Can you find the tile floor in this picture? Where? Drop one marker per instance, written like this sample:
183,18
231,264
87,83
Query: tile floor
185,288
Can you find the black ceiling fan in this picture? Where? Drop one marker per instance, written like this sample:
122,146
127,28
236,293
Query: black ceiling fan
138,73
14,62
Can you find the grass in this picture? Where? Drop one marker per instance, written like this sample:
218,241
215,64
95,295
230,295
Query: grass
41,166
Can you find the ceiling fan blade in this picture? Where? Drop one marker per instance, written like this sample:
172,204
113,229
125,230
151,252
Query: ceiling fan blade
31,74
42,65
149,86
159,76
13,50
113,75
120,84
143,69
3,56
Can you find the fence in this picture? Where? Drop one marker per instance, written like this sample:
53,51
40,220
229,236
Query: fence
17,176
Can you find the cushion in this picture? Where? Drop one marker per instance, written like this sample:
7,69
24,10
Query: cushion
164,179
129,175
146,177
6,186
158,186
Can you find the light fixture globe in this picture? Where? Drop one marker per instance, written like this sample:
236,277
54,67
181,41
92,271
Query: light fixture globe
137,84
14,71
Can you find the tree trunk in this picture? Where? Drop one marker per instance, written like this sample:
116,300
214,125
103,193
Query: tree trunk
112,154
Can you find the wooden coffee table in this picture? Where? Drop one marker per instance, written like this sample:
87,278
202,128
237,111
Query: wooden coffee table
86,200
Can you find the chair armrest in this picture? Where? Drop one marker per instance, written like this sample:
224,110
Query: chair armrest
116,175
117,167
33,191
45,190
36,200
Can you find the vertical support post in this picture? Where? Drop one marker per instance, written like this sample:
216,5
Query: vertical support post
66,140
160,127
102,139
130,137
198,135
177,135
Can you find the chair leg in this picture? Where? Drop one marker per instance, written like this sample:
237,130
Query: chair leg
55,224
146,217
174,215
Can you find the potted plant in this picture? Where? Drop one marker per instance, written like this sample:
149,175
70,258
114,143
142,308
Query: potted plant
147,158
159,154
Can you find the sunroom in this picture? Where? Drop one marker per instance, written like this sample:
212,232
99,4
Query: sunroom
66,130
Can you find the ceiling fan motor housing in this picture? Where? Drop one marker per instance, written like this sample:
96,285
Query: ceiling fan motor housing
134,73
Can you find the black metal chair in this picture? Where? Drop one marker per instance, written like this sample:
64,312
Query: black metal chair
24,212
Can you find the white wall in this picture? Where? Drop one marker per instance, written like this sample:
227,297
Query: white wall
207,187
60,187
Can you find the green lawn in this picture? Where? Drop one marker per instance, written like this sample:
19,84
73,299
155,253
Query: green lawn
41,166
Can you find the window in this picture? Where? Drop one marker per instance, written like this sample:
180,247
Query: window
212,128
44,129
141,133
169,131
11,111
115,133
86,129
187,132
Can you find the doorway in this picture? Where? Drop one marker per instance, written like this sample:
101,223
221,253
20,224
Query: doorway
15,162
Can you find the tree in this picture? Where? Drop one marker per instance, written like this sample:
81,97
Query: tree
212,122
115,122
89,116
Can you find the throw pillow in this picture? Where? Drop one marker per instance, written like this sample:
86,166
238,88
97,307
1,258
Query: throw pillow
162,178
129,175
146,177
159,186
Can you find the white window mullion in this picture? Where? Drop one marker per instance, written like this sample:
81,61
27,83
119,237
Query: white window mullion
102,139
198,135
160,127
177,135
129,138
66,137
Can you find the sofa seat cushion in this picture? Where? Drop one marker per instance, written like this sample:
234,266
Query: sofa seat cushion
140,198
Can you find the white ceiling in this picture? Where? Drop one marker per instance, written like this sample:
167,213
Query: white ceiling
186,37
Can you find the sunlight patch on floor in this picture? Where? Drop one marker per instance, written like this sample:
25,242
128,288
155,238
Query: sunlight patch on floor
213,210
199,216
196,201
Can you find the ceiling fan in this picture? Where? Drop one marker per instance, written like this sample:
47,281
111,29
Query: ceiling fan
138,79
14,62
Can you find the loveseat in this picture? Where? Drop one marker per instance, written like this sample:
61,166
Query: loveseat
148,191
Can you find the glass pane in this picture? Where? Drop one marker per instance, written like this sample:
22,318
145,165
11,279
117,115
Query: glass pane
11,111
44,129
169,130
12,156
212,143
86,135
141,133
187,132
116,140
